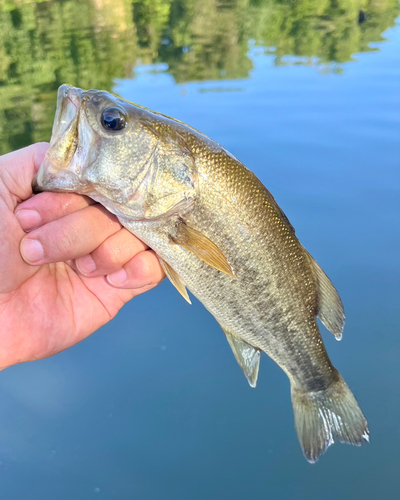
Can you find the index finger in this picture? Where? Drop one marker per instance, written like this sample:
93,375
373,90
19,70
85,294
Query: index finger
48,207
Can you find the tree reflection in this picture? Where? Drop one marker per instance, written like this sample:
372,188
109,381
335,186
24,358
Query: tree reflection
89,43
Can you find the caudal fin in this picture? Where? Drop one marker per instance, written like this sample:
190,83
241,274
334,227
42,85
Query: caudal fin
321,416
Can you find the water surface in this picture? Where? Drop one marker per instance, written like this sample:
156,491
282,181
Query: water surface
154,406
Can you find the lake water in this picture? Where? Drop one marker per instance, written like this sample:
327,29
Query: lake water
153,406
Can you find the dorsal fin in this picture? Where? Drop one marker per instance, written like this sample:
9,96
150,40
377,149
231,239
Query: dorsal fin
174,279
246,355
330,307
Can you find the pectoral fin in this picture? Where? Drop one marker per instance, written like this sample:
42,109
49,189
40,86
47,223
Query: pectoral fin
203,248
246,355
174,279
330,307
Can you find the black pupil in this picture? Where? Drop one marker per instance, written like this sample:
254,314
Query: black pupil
113,119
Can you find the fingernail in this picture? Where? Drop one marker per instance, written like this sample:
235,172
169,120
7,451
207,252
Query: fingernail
31,250
28,219
86,264
118,277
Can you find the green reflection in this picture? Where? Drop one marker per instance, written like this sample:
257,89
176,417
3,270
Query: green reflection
89,43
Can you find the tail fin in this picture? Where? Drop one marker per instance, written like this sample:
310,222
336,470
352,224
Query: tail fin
322,415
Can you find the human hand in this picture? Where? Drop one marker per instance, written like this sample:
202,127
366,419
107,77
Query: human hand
63,279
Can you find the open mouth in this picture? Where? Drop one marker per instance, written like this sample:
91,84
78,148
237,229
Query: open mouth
64,137
57,172
68,106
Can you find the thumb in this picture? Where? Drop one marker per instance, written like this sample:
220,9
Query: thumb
18,169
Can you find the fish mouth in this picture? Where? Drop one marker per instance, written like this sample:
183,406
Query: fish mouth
61,181
58,171
68,106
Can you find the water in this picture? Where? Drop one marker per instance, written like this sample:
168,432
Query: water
154,406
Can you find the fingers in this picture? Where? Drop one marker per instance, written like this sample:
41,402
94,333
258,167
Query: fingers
125,260
70,237
47,207
94,239
143,271
111,255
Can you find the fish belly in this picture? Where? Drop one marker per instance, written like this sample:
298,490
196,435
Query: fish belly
259,306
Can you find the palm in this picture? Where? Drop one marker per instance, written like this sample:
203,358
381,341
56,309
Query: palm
53,308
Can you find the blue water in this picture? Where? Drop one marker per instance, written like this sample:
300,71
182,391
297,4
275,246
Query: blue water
153,405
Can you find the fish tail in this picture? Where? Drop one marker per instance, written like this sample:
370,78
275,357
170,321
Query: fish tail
321,416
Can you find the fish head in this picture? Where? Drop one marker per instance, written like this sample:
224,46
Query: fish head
128,158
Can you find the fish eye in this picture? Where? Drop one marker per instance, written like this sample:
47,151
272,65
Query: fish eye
113,119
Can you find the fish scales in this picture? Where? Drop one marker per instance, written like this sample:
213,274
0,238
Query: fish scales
218,231
229,196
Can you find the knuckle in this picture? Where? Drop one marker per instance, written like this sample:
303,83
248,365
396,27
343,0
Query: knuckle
109,254
143,269
65,240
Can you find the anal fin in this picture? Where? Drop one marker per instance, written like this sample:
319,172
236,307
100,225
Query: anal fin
174,279
203,248
246,355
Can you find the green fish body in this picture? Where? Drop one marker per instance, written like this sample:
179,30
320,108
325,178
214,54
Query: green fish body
219,233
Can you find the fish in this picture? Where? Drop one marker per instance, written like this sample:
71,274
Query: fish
219,233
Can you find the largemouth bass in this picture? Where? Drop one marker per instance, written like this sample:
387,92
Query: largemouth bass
217,232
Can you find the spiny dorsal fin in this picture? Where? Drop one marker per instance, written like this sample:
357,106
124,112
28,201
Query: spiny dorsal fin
246,355
174,279
330,307
203,248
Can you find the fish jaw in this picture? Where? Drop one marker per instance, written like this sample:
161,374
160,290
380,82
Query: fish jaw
70,145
